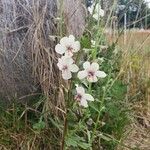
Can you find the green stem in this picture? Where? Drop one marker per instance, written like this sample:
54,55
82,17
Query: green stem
98,117
64,132
90,87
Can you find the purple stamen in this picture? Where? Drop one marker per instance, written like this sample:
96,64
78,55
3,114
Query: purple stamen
78,97
90,73
65,68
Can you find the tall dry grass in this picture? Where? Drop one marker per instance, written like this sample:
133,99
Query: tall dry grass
135,65
27,60
29,30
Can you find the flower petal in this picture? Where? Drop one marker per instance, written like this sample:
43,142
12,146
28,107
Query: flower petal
60,49
64,41
101,74
84,103
59,66
71,38
76,46
93,42
82,74
92,79
60,63
66,75
95,66
89,97
80,90
67,60
86,65
90,9
74,68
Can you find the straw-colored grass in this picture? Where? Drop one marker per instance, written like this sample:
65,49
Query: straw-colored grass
135,45
132,39
27,57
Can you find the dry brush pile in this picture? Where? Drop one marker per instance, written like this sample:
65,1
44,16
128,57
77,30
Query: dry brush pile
27,59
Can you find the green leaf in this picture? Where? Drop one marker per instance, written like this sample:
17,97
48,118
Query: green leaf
77,141
56,124
84,145
106,138
118,90
71,142
85,41
39,126
94,107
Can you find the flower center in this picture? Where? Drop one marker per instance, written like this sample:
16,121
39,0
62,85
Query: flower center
78,97
69,48
65,67
91,74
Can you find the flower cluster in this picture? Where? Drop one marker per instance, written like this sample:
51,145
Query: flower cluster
66,48
66,64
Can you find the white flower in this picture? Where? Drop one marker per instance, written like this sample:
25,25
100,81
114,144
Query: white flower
66,65
91,9
93,42
68,46
82,97
98,12
91,72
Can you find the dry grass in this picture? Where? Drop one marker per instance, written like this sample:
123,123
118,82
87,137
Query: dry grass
136,73
133,39
27,57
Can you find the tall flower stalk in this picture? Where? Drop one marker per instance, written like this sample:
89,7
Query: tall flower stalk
67,47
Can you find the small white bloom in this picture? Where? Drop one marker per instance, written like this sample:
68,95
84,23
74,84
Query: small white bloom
93,42
101,12
68,46
66,65
82,97
97,11
91,72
